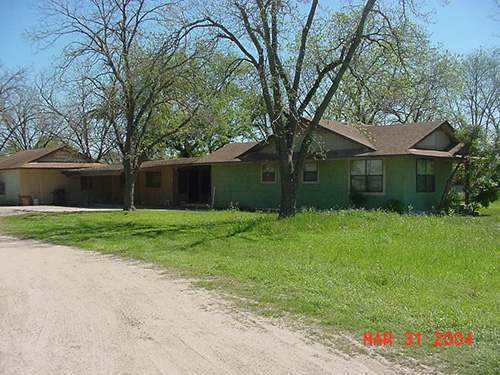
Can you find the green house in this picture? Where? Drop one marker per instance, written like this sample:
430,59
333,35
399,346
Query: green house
410,163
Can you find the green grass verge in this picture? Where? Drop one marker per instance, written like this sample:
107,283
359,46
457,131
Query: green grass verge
345,271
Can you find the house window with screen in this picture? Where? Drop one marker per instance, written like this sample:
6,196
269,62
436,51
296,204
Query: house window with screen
367,176
310,173
268,173
426,179
153,179
86,183
2,184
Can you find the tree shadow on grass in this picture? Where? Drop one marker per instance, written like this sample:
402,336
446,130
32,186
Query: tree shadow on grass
193,235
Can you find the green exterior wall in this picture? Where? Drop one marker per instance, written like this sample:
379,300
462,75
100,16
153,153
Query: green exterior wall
239,184
12,188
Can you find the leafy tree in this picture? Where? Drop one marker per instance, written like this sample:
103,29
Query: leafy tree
479,174
296,84
231,113
477,101
136,51
401,79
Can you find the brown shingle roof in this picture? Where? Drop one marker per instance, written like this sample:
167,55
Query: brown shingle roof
398,139
60,165
347,131
169,162
115,169
19,159
28,159
388,140
227,153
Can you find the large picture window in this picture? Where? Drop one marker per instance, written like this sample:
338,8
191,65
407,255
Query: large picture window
153,179
268,173
310,173
426,178
367,176
3,190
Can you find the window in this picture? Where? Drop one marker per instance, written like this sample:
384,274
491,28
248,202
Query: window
310,173
367,176
86,183
153,179
268,173
2,184
426,179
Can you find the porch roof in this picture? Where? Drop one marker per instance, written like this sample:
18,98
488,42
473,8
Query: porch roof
117,169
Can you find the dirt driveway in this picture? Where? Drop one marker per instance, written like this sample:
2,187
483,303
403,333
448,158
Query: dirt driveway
19,210
70,311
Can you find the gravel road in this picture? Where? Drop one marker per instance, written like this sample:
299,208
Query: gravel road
70,311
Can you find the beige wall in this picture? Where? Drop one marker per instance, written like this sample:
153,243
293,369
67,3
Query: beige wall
437,140
162,196
40,183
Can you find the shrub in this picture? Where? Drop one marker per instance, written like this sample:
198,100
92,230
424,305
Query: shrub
357,199
395,205
453,201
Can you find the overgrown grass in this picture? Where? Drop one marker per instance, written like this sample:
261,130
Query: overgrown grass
345,271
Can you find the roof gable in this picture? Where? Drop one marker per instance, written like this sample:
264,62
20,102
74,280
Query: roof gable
400,138
348,131
48,157
20,158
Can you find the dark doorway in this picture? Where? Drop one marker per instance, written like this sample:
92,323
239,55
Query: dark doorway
193,185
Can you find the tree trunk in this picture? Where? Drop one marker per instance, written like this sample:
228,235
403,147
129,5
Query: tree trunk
289,190
131,173
444,197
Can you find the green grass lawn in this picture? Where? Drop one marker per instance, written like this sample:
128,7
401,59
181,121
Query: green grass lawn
344,271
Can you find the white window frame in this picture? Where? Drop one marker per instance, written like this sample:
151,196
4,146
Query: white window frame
262,170
317,171
384,174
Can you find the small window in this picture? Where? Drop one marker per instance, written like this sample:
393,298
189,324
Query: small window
426,178
268,173
310,173
153,179
367,176
86,183
2,184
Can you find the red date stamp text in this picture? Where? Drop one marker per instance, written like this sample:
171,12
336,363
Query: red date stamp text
440,339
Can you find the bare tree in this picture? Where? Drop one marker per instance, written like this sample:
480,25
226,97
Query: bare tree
10,85
76,107
137,50
298,83
24,124
478,101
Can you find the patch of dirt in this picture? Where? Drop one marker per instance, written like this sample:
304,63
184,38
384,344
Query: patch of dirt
70,311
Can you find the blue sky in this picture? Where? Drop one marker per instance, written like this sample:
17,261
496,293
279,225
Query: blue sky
461,26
